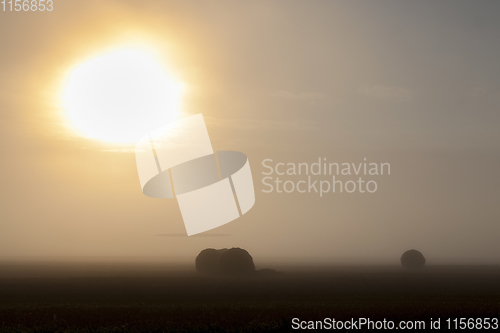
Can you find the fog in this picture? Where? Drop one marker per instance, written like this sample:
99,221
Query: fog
412,84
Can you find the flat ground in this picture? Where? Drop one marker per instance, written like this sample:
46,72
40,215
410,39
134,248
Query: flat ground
156,297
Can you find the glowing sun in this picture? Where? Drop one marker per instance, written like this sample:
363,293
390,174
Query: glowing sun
121,95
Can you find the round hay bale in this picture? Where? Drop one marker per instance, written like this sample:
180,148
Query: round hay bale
236,261
412,259
207,260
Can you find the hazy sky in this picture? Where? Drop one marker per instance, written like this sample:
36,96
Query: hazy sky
412,83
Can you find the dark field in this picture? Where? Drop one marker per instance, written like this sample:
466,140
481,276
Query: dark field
157,297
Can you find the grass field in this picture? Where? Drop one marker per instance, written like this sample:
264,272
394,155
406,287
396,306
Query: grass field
157,297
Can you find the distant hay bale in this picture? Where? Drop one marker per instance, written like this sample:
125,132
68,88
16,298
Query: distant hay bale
412,259
207,260
236,261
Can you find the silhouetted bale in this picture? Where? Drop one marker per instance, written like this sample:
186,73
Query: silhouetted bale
236,261
412,259
207,260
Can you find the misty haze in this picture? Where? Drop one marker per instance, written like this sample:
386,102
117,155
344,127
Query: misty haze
371,131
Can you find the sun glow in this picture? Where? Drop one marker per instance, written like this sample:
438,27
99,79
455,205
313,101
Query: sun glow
120,96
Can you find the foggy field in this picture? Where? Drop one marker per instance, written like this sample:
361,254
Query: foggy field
132,297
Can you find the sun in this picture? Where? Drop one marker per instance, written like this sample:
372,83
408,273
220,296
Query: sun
120,96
